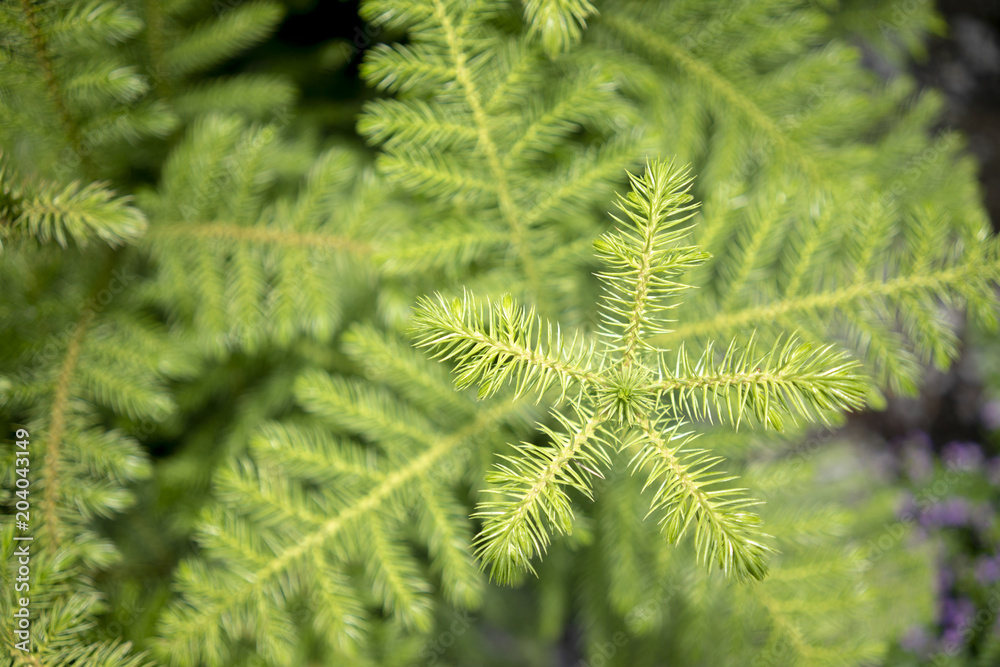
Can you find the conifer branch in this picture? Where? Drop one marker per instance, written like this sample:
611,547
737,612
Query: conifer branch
359,408
506,342
338,533
581,178
508,208
52,211
40,43
76,212
560,23
403,67
259,235
393,572
936,281
642,260
582,98
813,242
714,81
256,96
483,121
450,550
107,454
439,248
394,121
57,427
726,533
786,625
154,16
187,625
269,500
305,452
644,255
406,371
532,488
791,379
213,41
762,232
438,175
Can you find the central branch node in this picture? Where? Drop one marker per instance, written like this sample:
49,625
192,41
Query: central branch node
627,396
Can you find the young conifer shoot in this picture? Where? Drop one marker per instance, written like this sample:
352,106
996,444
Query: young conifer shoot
624,393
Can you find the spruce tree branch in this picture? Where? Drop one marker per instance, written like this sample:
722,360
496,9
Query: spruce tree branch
23,659
78,212
422,168
753,247
508,343
590,174
261,235
519,71
414,254
788,627
277,501
392,483
726,533
639,298
416,122
42,53
154,43
60,403
531,491
717,380
581,96
814,241
402,67
716,82
57,427
307,454
791,379
508,209
642,257
673,464
449,546
734,322
393,574
363,409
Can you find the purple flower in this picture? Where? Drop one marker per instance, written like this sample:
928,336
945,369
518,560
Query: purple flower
945,580
956,614
962,455
952,638
952,512
956,512
988,570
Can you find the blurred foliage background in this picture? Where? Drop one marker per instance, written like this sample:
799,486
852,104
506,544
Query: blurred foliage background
216,217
